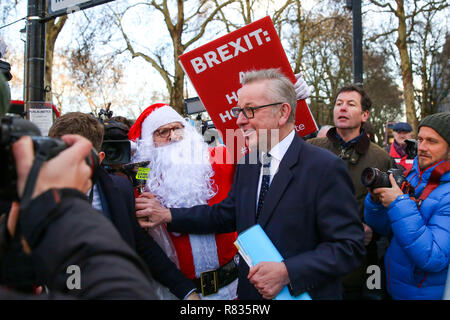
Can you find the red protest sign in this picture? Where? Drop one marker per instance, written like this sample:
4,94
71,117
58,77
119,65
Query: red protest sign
215,69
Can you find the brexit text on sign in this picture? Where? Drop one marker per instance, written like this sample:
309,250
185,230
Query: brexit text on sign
215,70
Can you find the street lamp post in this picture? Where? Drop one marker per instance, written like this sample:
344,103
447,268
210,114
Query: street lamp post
35,53
355,6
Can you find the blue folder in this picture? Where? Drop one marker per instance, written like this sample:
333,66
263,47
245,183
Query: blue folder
255,246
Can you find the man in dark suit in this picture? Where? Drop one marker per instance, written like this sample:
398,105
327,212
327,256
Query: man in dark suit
301,195
114,197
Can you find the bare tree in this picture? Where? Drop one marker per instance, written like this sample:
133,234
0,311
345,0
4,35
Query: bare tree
440,79
426,50
6,7
96,75
243,12
383,91
328,40
53,29
179,24
406,17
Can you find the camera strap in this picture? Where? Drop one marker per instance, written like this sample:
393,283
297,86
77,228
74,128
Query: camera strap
433,181
39,160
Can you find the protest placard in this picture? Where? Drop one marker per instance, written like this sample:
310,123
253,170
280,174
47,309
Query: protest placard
215,70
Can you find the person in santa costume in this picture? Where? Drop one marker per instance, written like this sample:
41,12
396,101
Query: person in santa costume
184,172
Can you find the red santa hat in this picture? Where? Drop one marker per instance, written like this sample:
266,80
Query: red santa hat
155,116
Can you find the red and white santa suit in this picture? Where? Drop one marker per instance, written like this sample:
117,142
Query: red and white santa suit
178,182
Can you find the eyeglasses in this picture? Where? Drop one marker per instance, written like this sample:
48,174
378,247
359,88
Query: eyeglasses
165,133
249,112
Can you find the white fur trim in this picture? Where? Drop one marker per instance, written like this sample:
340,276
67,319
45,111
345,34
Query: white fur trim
158,118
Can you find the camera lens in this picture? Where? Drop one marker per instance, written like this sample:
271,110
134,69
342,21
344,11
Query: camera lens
116,152
369,176
112,153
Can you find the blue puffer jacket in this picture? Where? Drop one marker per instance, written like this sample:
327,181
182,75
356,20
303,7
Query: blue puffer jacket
418,256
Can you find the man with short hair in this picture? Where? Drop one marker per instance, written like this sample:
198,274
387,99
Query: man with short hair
301,196
398,150
349,141
418,256
113,196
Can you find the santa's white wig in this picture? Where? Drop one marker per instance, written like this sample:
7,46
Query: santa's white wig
180,172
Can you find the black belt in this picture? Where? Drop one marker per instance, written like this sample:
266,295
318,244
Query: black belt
211,281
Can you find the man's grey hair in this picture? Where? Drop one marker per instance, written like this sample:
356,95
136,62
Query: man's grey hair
281,88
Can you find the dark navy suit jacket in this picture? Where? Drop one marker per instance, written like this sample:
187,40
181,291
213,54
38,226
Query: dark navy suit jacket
120,204
310,214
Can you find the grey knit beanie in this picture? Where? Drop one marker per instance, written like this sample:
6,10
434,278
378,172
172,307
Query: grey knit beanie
440,122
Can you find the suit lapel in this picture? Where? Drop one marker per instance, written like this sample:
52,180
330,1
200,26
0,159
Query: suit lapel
280,181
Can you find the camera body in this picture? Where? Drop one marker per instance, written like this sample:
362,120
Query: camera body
116,145
411,148
374,178
11,130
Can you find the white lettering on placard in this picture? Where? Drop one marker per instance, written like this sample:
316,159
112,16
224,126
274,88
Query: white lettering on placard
300,127
248,42
231,97
241,76
224,117
255,34
198,65
225,52
237,46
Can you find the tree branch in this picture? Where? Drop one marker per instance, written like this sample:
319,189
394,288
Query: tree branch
205,23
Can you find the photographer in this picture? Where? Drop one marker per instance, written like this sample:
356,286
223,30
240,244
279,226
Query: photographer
418,255
58,228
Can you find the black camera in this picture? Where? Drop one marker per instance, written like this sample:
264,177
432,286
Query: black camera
116,145
375,178
411,148
137,179
11,130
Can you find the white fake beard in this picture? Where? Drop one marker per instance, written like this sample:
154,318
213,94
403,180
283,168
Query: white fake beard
180,172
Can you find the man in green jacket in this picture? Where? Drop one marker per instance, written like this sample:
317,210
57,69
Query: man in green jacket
350,142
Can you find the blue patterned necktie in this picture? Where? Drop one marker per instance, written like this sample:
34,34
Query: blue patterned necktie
264,183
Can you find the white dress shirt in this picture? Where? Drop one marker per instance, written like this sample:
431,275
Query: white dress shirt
277,153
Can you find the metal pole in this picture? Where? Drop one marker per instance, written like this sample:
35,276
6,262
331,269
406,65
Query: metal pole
35,53
357,42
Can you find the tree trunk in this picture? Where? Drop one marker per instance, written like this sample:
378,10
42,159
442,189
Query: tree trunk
176,96
176,92
407,76
52,31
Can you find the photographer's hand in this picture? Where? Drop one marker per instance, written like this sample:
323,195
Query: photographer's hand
12,218
373,196
388,195
368,234
67,170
